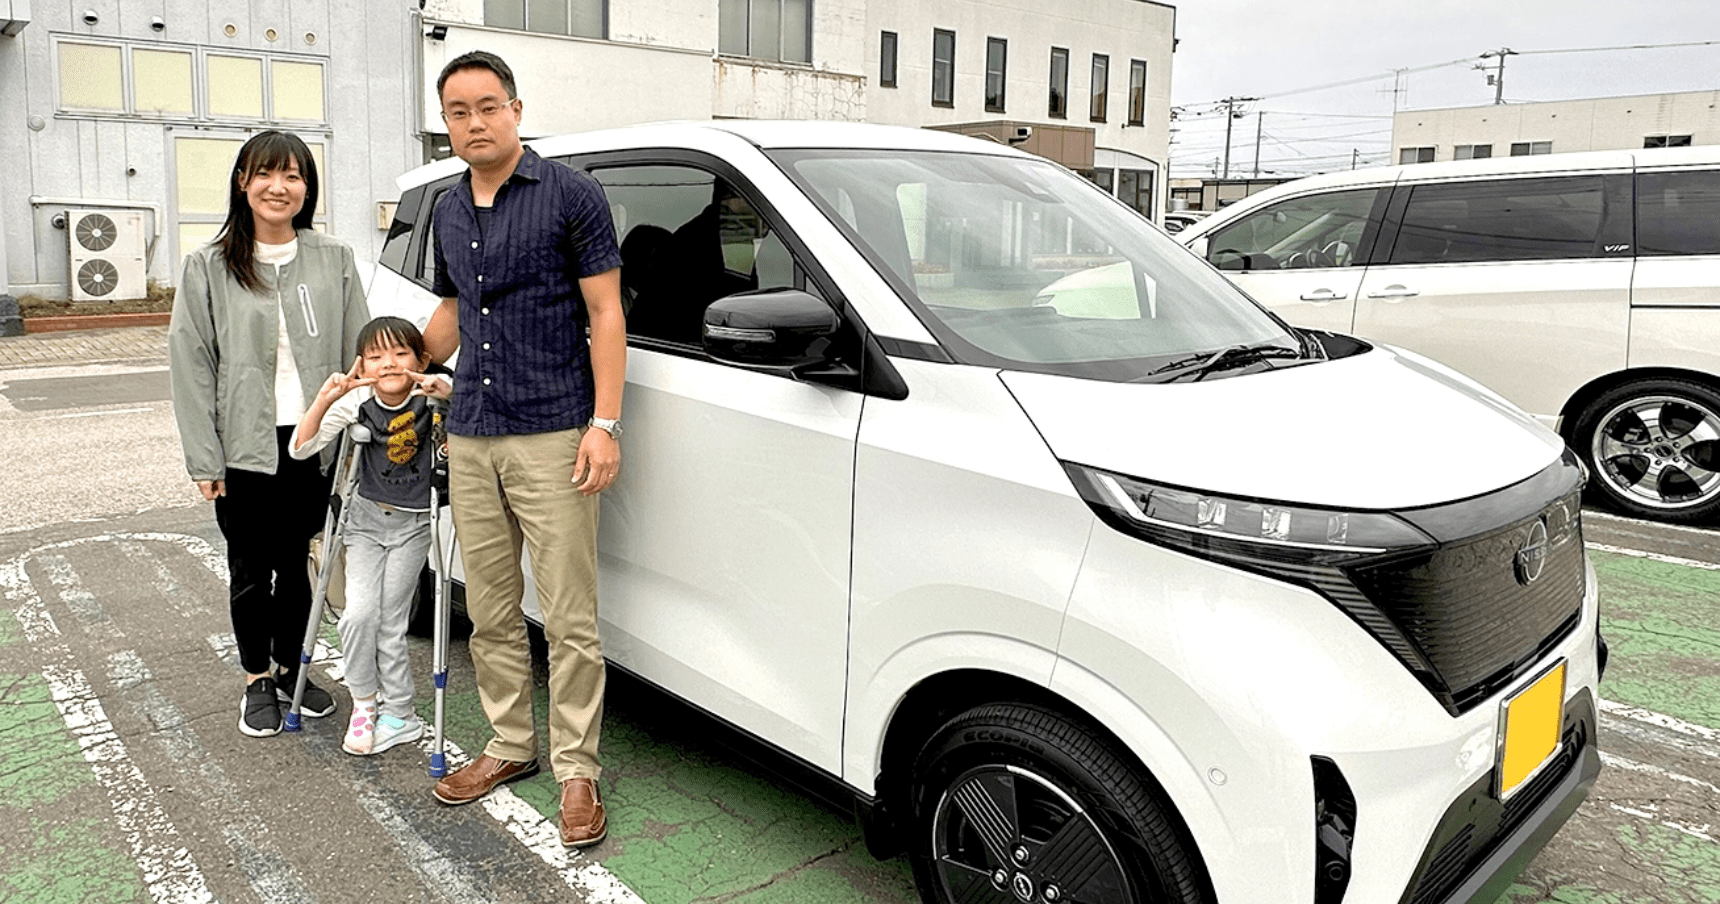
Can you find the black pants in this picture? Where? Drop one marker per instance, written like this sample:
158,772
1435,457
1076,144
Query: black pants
268,520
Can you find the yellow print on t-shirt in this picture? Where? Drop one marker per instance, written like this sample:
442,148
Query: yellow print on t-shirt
402,438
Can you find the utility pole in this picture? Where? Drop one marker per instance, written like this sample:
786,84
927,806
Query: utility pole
1355,156
1259,117
1230,116
1497,78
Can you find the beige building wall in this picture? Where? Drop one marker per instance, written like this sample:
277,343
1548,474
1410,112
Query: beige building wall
1610,123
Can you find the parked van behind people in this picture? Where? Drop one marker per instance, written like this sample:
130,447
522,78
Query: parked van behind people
1152,599
1584,288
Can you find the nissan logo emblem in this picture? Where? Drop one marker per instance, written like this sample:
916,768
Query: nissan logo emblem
1532,555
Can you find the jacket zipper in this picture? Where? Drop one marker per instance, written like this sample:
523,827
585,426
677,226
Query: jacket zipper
305,303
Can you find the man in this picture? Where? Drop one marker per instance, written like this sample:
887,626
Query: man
525,260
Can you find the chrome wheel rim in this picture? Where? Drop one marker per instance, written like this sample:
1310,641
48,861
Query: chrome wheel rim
1660,451
1004,835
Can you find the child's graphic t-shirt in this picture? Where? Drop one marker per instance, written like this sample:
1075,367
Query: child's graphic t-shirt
394,467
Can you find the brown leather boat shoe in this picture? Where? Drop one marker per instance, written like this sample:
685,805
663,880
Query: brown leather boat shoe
583,821
480,777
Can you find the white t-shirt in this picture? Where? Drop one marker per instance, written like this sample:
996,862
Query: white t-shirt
289,391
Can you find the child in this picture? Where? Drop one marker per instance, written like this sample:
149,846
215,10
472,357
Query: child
387,532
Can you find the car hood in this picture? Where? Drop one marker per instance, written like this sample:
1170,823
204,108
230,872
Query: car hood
1385,429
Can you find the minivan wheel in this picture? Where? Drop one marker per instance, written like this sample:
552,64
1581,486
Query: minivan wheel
1014,804
1653,449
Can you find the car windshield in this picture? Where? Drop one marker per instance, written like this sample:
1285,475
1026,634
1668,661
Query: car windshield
1018,263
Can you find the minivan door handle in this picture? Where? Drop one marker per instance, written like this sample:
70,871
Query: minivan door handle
1324,295
1394,291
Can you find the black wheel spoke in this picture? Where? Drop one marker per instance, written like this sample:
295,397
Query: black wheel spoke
988,802
970,884
1075,856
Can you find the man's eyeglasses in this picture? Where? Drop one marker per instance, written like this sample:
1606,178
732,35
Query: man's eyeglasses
486,112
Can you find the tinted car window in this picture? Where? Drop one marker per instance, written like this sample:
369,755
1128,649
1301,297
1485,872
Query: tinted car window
1502,220
1316,231
687,239
1678,213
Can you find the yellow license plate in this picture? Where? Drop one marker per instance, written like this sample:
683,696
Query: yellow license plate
1529,730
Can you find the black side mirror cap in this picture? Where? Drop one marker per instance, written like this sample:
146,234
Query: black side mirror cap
776,329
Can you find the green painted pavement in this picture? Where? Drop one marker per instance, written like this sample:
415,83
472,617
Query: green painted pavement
1662,622
47,855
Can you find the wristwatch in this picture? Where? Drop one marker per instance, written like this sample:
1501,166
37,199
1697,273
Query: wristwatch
609,425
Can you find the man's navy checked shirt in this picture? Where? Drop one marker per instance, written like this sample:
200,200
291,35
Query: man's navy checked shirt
524,364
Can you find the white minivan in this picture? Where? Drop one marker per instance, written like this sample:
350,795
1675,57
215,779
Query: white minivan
1584,288
991,508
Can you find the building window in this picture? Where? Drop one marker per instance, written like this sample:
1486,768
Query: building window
1137,92
1101,84
184,84
943,68
91,77
1531,148
1666,141
766,29
553,17
996,65
1059,106
887,60
1472,152
161,82
1415,155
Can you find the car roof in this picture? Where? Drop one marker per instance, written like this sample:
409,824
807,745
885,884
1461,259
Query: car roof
1537,164
762,134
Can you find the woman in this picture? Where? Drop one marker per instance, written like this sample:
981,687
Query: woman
263,313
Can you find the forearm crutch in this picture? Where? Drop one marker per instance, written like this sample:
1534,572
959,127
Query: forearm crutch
334,528
443,558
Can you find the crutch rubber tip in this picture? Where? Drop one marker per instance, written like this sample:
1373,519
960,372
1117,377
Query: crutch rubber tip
292,722
438,765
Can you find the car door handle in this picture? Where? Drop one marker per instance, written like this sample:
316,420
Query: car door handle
1324,295
1394,292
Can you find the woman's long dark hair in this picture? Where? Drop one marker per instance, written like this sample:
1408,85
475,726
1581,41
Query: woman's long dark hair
238,236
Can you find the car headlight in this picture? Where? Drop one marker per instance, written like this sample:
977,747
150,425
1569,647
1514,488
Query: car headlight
1260,535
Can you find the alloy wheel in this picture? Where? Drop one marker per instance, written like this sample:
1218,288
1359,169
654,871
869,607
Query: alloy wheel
1659,451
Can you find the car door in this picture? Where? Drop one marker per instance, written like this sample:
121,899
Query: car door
724,547
1675,319
1303,257
1520,283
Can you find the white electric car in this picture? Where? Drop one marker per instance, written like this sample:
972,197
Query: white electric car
1144,597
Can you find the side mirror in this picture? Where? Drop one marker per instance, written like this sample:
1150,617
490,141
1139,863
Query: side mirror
780,329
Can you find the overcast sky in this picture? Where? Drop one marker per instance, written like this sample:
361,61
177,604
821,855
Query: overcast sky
1273,50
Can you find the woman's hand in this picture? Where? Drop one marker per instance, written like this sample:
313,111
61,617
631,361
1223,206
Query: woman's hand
338,385
211,488
430,385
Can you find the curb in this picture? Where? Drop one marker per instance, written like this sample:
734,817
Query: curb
92,321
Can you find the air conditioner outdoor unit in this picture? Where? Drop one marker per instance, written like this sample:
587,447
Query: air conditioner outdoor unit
106,255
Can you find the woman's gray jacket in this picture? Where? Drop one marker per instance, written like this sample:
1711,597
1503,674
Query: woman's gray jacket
221,346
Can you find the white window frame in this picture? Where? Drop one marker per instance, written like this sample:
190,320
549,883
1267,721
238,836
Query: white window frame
199,86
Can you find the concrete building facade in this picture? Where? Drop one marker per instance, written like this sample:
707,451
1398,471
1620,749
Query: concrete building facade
1595,124
138,107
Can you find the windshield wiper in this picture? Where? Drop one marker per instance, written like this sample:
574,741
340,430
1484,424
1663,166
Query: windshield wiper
1224,358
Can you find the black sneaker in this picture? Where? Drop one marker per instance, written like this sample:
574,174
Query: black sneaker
316,702
259,711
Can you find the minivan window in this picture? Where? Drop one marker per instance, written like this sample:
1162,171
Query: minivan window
1018,263
1502,220
1678,213
1316,231
687,238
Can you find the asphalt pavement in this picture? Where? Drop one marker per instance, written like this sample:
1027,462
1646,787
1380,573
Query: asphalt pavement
126,779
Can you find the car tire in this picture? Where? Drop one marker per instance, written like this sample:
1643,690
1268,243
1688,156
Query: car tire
1017,803
1653,449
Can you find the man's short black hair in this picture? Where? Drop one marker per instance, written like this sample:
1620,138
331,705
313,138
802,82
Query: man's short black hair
478,59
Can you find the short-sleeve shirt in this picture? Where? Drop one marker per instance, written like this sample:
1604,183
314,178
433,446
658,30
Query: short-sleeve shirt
525,364
395,464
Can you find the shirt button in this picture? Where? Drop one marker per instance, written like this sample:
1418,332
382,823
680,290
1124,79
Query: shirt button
484,311
486,381
480,277
474,244
486,346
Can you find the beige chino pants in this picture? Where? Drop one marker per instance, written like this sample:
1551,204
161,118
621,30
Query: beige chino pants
505,489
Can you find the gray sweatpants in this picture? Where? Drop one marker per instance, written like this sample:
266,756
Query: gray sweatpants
386,548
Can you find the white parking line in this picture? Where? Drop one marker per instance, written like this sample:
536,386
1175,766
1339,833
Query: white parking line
1654,556
1591,514
1614,761
169,873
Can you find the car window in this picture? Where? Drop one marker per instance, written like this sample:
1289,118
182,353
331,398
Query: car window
688,238
1502,220
426,275
1317,231
395,248
1678,213
1018,263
